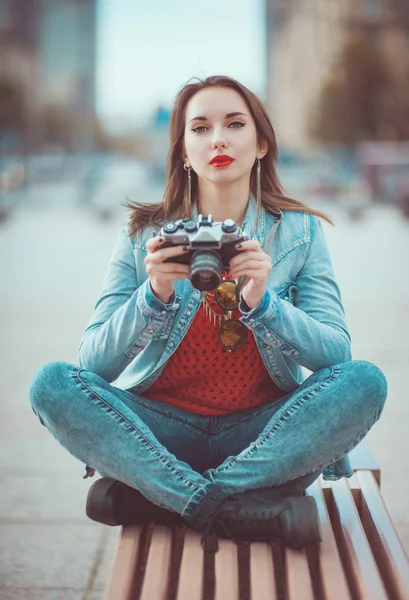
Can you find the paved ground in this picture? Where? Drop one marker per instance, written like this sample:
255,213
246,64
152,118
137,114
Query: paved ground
51,269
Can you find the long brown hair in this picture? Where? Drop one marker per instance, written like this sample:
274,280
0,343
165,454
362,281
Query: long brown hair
175,204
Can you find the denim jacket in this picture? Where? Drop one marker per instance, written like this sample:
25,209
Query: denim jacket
299,322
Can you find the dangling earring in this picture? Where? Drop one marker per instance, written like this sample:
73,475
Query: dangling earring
258,188
189,182
258,198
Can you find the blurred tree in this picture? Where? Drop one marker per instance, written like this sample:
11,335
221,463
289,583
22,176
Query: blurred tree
58,127
13,115
103,141
349,107
65,127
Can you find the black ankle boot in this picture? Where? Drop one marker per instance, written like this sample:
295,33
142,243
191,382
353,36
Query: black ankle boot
293,521
113,503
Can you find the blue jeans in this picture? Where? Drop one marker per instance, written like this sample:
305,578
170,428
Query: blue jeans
175,457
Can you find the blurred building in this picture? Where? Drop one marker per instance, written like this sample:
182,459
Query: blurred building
19,33
304,38
67,53
48,49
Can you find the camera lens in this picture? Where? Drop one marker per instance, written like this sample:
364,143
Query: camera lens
206,270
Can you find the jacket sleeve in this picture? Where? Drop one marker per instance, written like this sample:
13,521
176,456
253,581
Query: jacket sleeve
125,318
312,331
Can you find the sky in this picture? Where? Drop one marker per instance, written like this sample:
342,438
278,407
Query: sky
147,50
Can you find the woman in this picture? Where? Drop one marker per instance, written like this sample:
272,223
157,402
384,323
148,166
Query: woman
209,421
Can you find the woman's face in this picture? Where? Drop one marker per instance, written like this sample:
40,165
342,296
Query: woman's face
219,124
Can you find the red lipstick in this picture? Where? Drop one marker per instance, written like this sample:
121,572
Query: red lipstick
221,160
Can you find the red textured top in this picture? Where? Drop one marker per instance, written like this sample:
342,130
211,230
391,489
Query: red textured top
204,378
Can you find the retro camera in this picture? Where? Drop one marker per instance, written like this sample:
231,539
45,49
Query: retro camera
211,247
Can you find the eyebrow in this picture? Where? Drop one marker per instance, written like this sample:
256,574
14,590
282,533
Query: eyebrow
228,116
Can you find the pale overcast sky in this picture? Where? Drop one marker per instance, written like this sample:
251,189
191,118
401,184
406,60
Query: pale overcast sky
147,50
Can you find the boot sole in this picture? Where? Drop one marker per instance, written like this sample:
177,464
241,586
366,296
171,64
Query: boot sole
97,507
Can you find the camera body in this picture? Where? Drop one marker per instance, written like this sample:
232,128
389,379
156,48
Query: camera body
211,247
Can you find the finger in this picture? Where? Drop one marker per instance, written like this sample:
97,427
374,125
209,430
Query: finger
166,268
241,258
171,267
249,245
252,274
153,243
162,254
251,265
245,280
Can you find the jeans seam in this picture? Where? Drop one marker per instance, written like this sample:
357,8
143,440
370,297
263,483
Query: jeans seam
77,375
164,413
310,392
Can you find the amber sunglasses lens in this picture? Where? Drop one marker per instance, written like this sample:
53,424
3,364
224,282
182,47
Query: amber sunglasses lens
226,295
232,334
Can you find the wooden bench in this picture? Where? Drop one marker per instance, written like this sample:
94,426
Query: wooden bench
359,558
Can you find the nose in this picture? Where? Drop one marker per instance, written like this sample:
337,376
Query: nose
218,140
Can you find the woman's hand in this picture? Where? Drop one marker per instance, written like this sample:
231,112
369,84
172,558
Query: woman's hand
255,265
163,274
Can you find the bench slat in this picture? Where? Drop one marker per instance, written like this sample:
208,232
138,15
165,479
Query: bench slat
298,575
363,574
332,574
157,569
124,570
362,459
386,546
226,571
191,568
262,581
